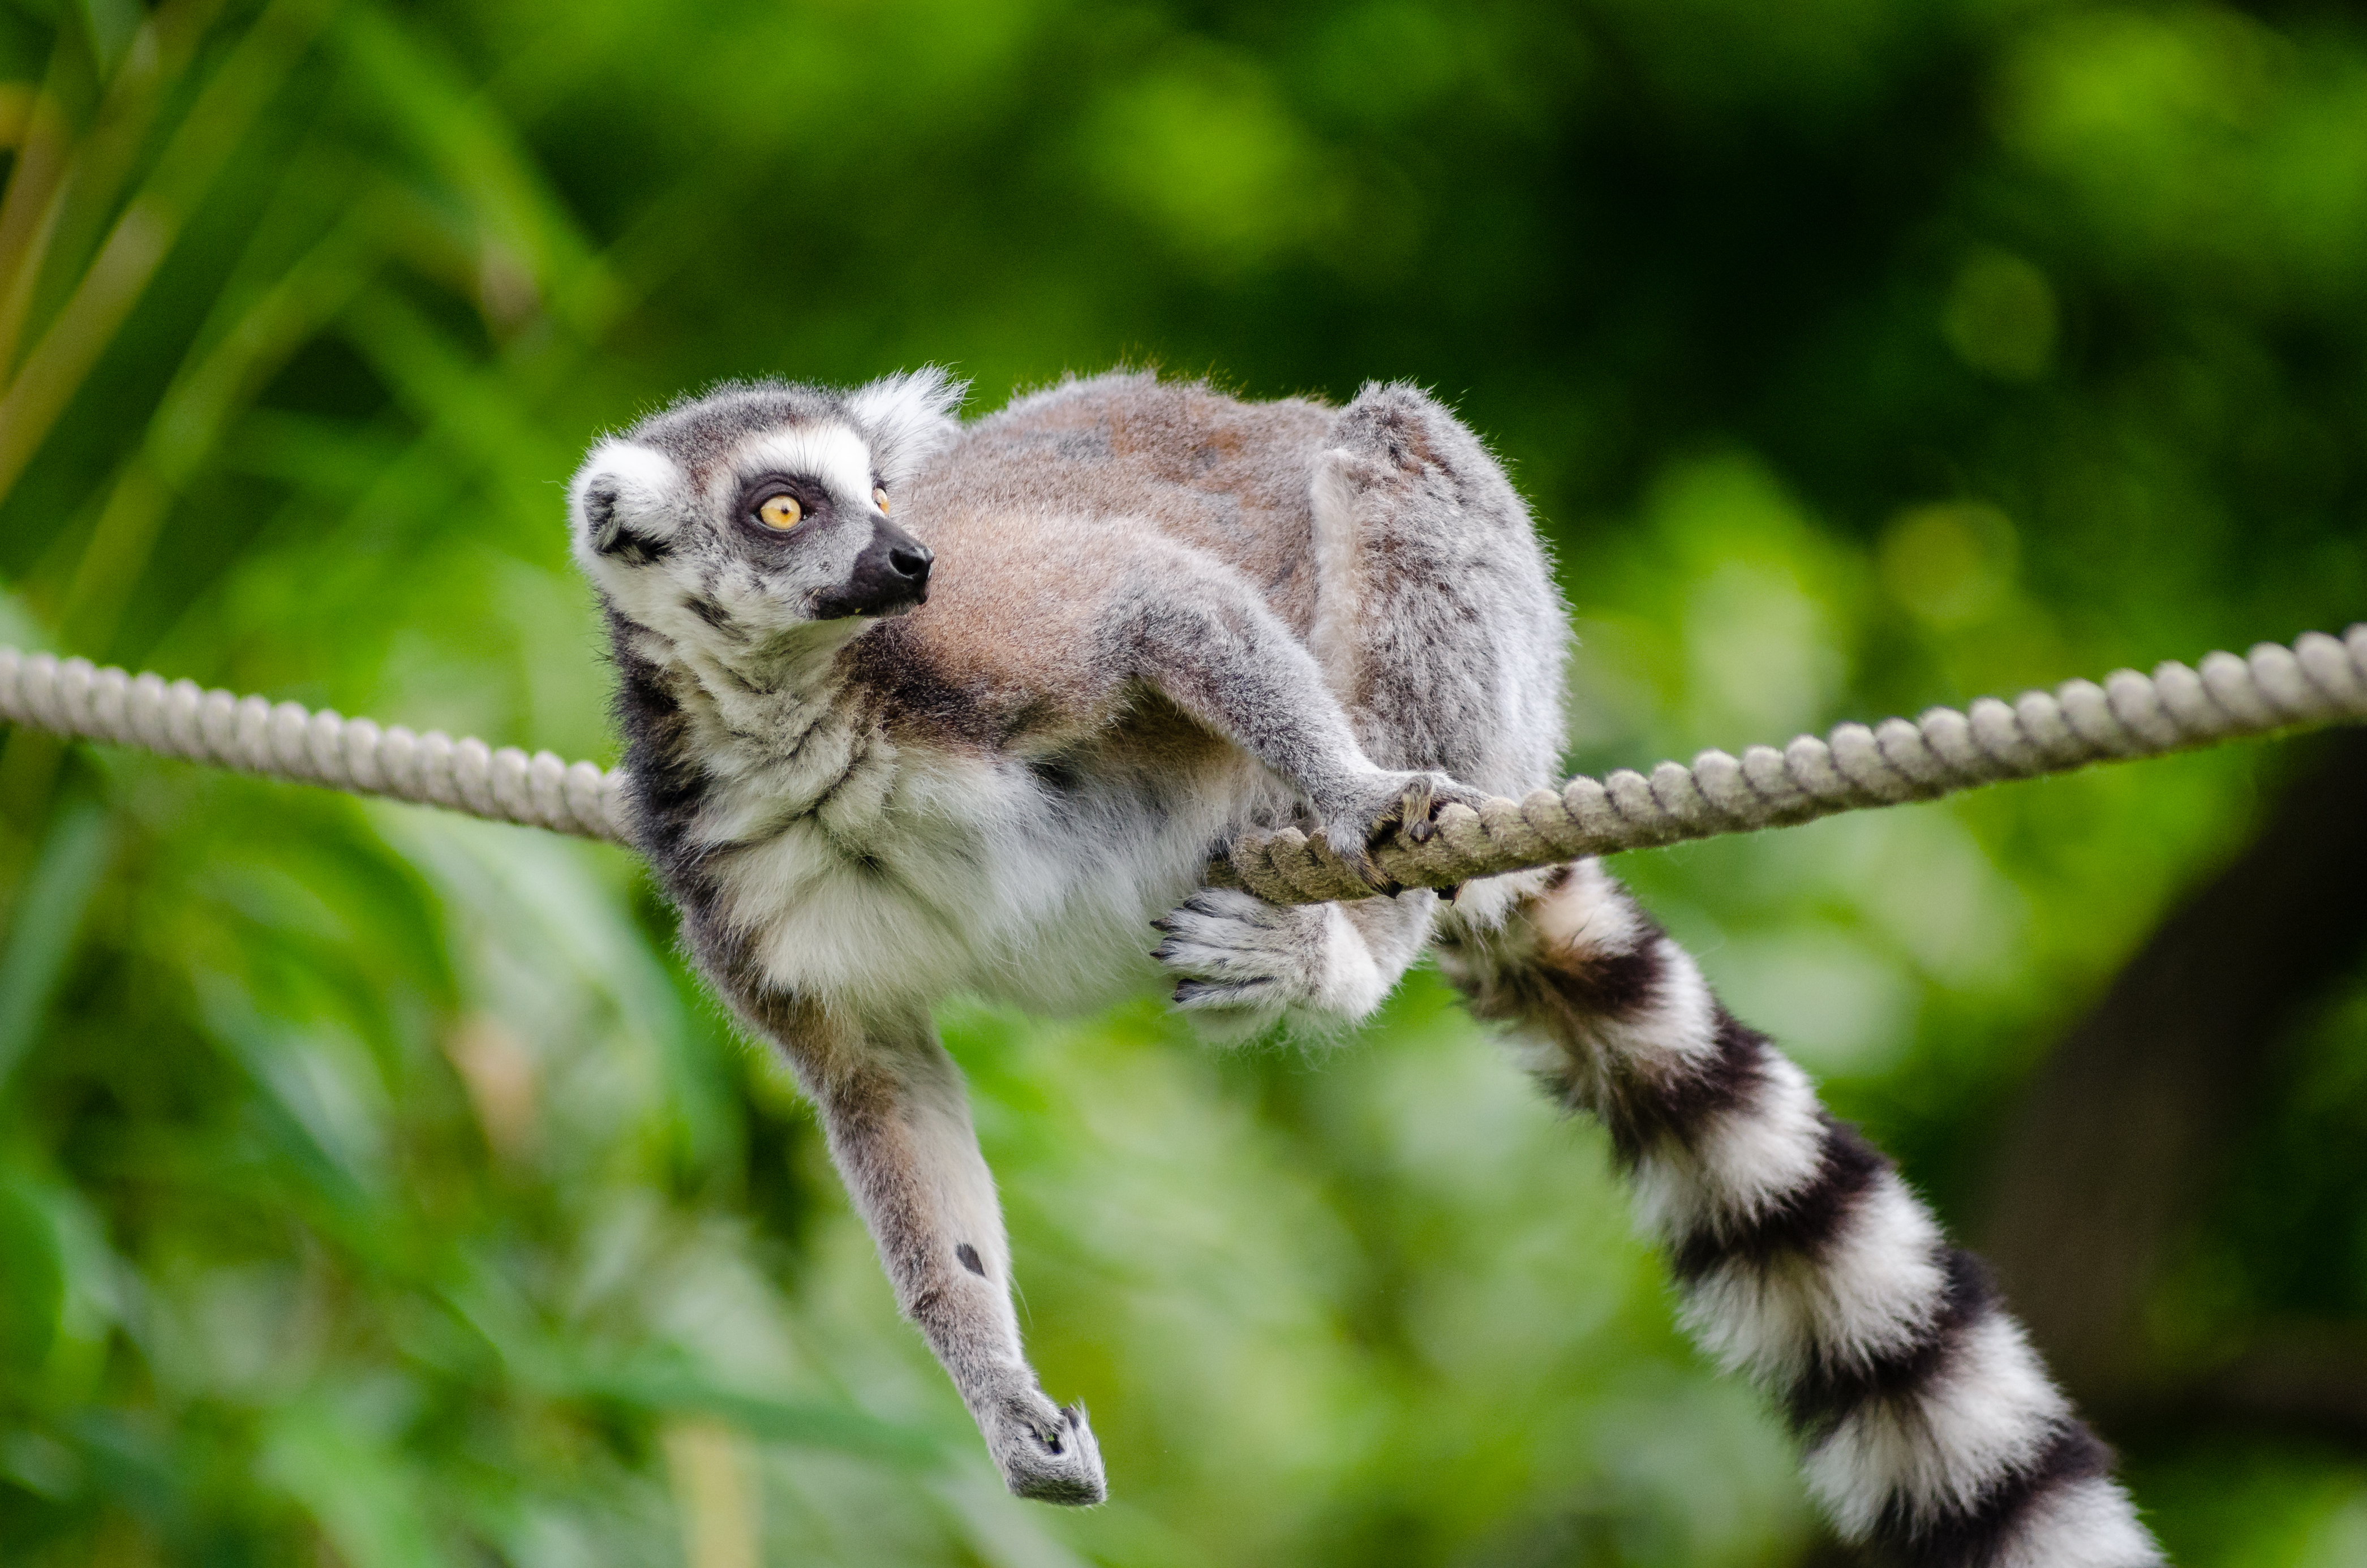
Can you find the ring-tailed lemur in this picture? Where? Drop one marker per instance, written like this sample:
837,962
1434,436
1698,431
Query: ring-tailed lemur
916,708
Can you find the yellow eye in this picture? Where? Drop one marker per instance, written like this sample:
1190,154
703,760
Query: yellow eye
780,512
880,497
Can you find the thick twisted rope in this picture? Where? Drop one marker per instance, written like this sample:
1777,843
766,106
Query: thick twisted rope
2317,681
252,734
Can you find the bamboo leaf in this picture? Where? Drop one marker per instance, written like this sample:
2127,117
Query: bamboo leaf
45,921
141,237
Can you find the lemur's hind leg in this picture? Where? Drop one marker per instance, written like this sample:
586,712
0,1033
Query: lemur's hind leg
1436,623
1242,965
1437,632
898,1119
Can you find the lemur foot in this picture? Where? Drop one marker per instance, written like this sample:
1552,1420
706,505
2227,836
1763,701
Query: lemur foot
1367,810
1242,964
1046,1451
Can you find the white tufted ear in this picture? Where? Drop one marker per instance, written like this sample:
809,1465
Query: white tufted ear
625,504
908,418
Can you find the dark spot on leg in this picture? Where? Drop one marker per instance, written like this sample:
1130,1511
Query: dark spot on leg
969,1256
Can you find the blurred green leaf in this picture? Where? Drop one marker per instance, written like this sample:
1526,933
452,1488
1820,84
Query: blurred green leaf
44,919
32,1282
661,1390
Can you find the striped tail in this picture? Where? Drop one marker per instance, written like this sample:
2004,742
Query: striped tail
1930,1430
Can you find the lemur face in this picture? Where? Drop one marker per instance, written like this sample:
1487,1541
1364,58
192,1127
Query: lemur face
728,521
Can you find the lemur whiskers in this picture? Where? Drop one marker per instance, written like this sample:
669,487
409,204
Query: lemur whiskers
915,707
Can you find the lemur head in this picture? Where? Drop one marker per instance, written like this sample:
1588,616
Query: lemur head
732,518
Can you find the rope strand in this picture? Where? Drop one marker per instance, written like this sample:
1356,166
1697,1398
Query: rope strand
2317,681
69,697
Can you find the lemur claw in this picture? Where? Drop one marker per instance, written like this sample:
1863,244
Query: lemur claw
1405,803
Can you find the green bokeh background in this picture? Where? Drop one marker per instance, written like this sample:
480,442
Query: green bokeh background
378,1190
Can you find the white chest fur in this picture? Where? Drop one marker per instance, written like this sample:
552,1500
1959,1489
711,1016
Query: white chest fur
886,874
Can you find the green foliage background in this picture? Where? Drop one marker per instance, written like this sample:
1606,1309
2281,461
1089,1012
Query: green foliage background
378,1190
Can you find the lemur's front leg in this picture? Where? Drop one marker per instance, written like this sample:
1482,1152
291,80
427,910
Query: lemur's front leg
1203,638
898,1119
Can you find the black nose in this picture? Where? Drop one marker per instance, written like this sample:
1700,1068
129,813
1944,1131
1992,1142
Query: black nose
890,577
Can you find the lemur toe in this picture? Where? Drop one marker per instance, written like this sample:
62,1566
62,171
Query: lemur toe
1225,939
1444,794
1239,963
1353,846
1406,803
1414,806
1050,1455
1199,994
